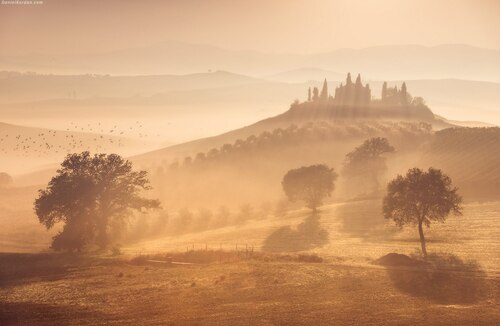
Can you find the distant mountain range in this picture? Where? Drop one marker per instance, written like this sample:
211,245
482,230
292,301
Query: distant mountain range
389,62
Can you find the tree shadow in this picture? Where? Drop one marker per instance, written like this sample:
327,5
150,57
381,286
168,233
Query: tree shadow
444,279
363,219
28,313
18,268
307,235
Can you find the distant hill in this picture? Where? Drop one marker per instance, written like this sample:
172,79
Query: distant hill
17,87
305,74
470,124
392,61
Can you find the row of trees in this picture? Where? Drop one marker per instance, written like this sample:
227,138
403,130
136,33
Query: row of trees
312,131
188,221
356,94
350,94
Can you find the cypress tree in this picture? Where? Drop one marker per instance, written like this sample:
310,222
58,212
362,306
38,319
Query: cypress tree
324,91
403,93
315,94
384,90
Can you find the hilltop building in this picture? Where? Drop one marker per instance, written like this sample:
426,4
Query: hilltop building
357,94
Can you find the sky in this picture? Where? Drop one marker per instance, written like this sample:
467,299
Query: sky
273,26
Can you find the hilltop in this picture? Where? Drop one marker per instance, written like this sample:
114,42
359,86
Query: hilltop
351,103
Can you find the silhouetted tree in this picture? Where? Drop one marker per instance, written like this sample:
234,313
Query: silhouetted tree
367,161
213,153
309,98
187,161
222,217
358,90
5,180
419,198
310,184
384,90
93,196
226,148
348,80
367,94
324,91
200,157
183,222
245,213
203,220
315,94
404,94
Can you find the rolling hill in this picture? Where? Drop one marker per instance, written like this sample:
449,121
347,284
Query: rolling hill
28,87
390,61
211,103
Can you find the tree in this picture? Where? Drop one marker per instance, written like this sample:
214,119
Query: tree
315,94
93,196
309,95
324,91
358,90
310,184
367,161
5,180
419,198
384,90
404,94
348,80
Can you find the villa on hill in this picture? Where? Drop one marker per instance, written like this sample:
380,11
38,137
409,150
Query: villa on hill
355,100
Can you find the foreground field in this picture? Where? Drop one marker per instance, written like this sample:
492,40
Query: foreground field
49,289
258,279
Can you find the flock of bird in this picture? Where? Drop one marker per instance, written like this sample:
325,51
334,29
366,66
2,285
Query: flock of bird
91,137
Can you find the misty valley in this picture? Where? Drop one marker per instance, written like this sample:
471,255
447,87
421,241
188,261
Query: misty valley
249,163
308,189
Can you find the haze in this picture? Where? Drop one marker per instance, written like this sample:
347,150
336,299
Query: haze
296,26
288,162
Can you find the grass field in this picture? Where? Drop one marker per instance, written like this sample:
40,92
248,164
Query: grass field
62,290
357,232
461,286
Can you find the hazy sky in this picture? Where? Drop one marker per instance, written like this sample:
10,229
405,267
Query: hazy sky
88,26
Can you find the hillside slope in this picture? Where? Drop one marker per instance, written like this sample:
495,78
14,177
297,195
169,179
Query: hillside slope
471,157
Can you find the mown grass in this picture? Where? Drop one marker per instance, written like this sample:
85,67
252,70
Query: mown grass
103,290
